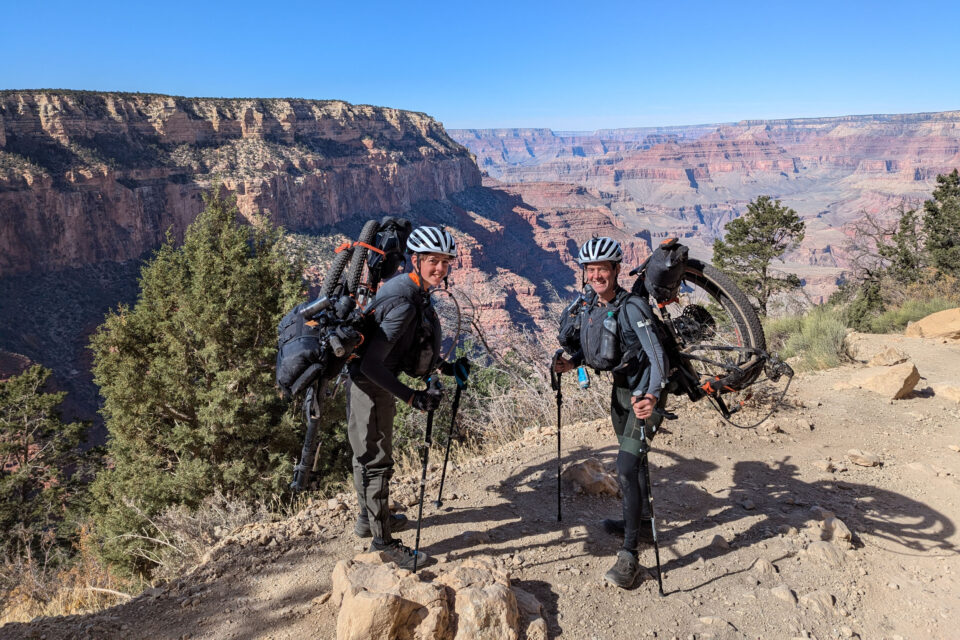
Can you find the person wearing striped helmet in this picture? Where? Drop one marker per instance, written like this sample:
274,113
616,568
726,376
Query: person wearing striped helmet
614,335
403,335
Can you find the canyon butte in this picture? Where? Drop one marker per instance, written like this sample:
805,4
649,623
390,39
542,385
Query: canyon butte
91,183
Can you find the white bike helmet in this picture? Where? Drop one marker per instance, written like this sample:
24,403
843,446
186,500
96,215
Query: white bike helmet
432,240
601,249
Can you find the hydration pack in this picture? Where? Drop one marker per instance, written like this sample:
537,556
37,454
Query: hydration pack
568,331
593,334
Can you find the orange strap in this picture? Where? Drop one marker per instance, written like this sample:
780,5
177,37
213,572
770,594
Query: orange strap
349,245
661,305
372,248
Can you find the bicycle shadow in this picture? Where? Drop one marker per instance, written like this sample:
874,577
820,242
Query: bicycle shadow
685,510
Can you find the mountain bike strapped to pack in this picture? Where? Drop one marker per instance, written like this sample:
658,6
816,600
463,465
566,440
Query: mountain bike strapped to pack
712,337
711,333
316,339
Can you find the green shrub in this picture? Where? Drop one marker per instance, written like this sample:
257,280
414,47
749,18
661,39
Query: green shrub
779,330
817,338
895,320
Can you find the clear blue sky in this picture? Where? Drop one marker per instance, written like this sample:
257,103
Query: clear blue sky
564,65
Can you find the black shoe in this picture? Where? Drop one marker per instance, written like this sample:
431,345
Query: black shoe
400,554
617,528
625,571
396,522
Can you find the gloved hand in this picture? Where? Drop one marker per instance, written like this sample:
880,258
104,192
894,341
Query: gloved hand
459,369
427,399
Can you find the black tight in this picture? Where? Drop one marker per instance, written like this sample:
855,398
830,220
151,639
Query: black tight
636,496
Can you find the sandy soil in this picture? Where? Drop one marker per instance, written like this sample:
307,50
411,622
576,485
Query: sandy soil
723,502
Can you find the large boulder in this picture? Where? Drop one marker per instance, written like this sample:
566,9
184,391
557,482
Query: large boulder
857,347
589,476
943,324
894,382
484,604
471,600
379,600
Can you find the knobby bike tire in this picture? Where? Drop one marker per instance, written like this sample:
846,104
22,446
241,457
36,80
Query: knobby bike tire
728,295
336,270
359,259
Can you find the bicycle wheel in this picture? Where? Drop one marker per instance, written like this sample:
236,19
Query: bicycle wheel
717,329
359,259
332,278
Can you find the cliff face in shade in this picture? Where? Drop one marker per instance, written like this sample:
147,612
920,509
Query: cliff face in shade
87,177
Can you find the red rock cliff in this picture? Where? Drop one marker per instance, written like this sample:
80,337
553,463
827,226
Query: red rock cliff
86,177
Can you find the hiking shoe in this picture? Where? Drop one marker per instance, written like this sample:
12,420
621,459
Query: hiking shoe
625,571
616,528
396,522
401,554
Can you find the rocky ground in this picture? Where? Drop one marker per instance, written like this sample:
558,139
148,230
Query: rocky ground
754,528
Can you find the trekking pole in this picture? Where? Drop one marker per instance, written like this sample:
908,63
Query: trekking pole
645,463
433,384
446,456
555,383
311,414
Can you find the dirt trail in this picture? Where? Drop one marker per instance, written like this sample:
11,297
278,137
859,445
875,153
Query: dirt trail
753,489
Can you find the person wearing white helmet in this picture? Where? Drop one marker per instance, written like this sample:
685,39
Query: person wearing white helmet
634,355
403,335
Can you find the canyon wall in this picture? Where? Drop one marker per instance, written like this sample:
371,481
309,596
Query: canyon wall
87,177
691,181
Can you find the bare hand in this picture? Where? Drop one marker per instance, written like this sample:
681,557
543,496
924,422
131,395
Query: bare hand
561,365
643,406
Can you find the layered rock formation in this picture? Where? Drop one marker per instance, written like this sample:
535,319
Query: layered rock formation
690,181
86,177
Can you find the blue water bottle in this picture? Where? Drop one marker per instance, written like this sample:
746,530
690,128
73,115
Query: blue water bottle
583,379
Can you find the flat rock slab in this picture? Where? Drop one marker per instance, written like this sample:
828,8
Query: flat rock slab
589,476
864,458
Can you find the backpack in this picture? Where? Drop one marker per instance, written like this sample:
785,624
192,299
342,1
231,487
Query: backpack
591,348
315,339
390,242
299,353
664,271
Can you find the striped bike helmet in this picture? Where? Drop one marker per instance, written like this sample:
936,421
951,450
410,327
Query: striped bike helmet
600,249
432,240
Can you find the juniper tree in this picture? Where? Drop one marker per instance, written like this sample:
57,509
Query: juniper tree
752,242
941,224
187,379
43,466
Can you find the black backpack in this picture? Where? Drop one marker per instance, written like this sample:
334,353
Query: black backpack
299,356
308,349
664,271
389,255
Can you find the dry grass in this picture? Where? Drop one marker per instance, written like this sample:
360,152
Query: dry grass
32,587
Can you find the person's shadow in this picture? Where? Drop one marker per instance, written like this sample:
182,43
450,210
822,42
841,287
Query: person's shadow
684,507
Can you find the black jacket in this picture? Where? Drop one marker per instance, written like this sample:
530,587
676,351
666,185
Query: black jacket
403,334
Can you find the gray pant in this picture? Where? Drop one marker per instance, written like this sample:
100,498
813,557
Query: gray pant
370,413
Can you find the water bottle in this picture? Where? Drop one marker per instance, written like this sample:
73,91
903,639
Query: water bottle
608,339
583,379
